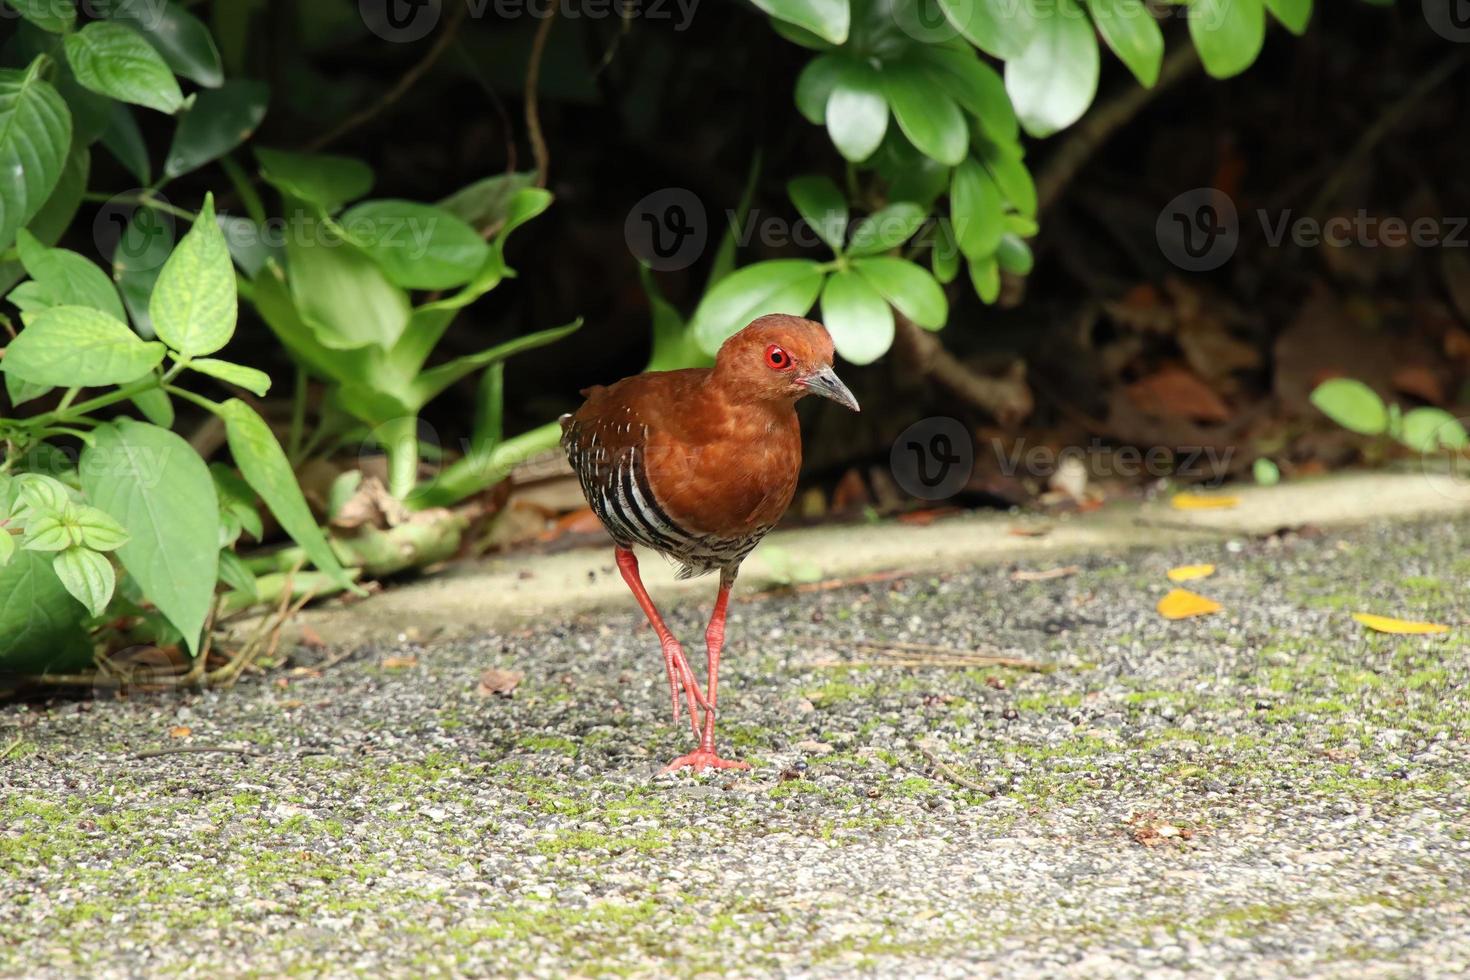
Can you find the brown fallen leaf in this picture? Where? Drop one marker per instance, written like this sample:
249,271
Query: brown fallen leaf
1421,382
180,731
1387,624
1186,573
1176,391
1046,574
399,663
311,638
1201,501
498,682
1183,604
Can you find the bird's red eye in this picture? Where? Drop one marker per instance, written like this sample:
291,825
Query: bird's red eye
778,358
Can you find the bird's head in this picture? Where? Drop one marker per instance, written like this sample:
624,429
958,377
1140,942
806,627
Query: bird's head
782,358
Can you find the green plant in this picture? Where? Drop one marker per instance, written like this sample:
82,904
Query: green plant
1358,408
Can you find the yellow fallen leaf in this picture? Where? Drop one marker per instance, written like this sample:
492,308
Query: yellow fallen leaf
1185,573
180,731
1200,501
399,663
1183,604
1387,624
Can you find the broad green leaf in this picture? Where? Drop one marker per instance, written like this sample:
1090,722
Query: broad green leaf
780,286
264,466
815,84
1133,34
99,531
35,136
976,87
156,486
856,113
1053,81
55,16
1014,255
886,228
975,210
219,120
985,277
1227,33
180,37
342,293
485,203
1352,405
860,322
1294,14
113,59
124,140
822,206
252,380
1429,430
88,576
911,290
928,117
828,19
40,626
326,181
998,27
68,279
417,245
77,346
194,305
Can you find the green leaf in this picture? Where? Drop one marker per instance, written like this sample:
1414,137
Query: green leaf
946,261
342,293
237,499
1227,33
55,16
1428,430
673,347
76,346
781,286
114,60
56,214
485,203
155,406
99,531
911,290
1011,177
326,181
252,380
236,574
860,322
975,210
1294,14
1266,473
40,626
1352,405
88,576
998,27
219,120
1053,81
976,87
1014,255
928,117
828,19
69,279
886,228
7,546
1133,34
124,140
822,206
419,246
48,533
42,494
985,277
180,37
35,135
815,84
265,467
856,113
433,381
194,304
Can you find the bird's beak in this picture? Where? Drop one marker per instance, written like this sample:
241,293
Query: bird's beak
827,384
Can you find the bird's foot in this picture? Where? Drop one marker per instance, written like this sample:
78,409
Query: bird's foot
681,677
702,759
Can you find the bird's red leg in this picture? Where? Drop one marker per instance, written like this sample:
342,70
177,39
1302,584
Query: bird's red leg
680,674
705,757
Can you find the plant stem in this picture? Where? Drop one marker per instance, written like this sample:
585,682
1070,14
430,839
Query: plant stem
401,441
477,471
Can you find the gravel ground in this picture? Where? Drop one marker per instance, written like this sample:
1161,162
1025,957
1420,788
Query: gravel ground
1269,790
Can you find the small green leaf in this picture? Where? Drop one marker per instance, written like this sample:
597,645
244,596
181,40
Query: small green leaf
485,203
113,59
928,117
976,86
860,322
194,305
265,467
911,290
181,38
1053,81
1131,31
68,279
823,207
42,494
1352,405
252,380
55,16
219,120
99,531
419,246
997,27
976,210
48,533
77,346
815,84
780,286
886,228
1228,34
856,112
156,407
828,19
88,576
1011,177
946,261
985,277
1428,430
1266,473
326,181
1014,255
35,137
1293,14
